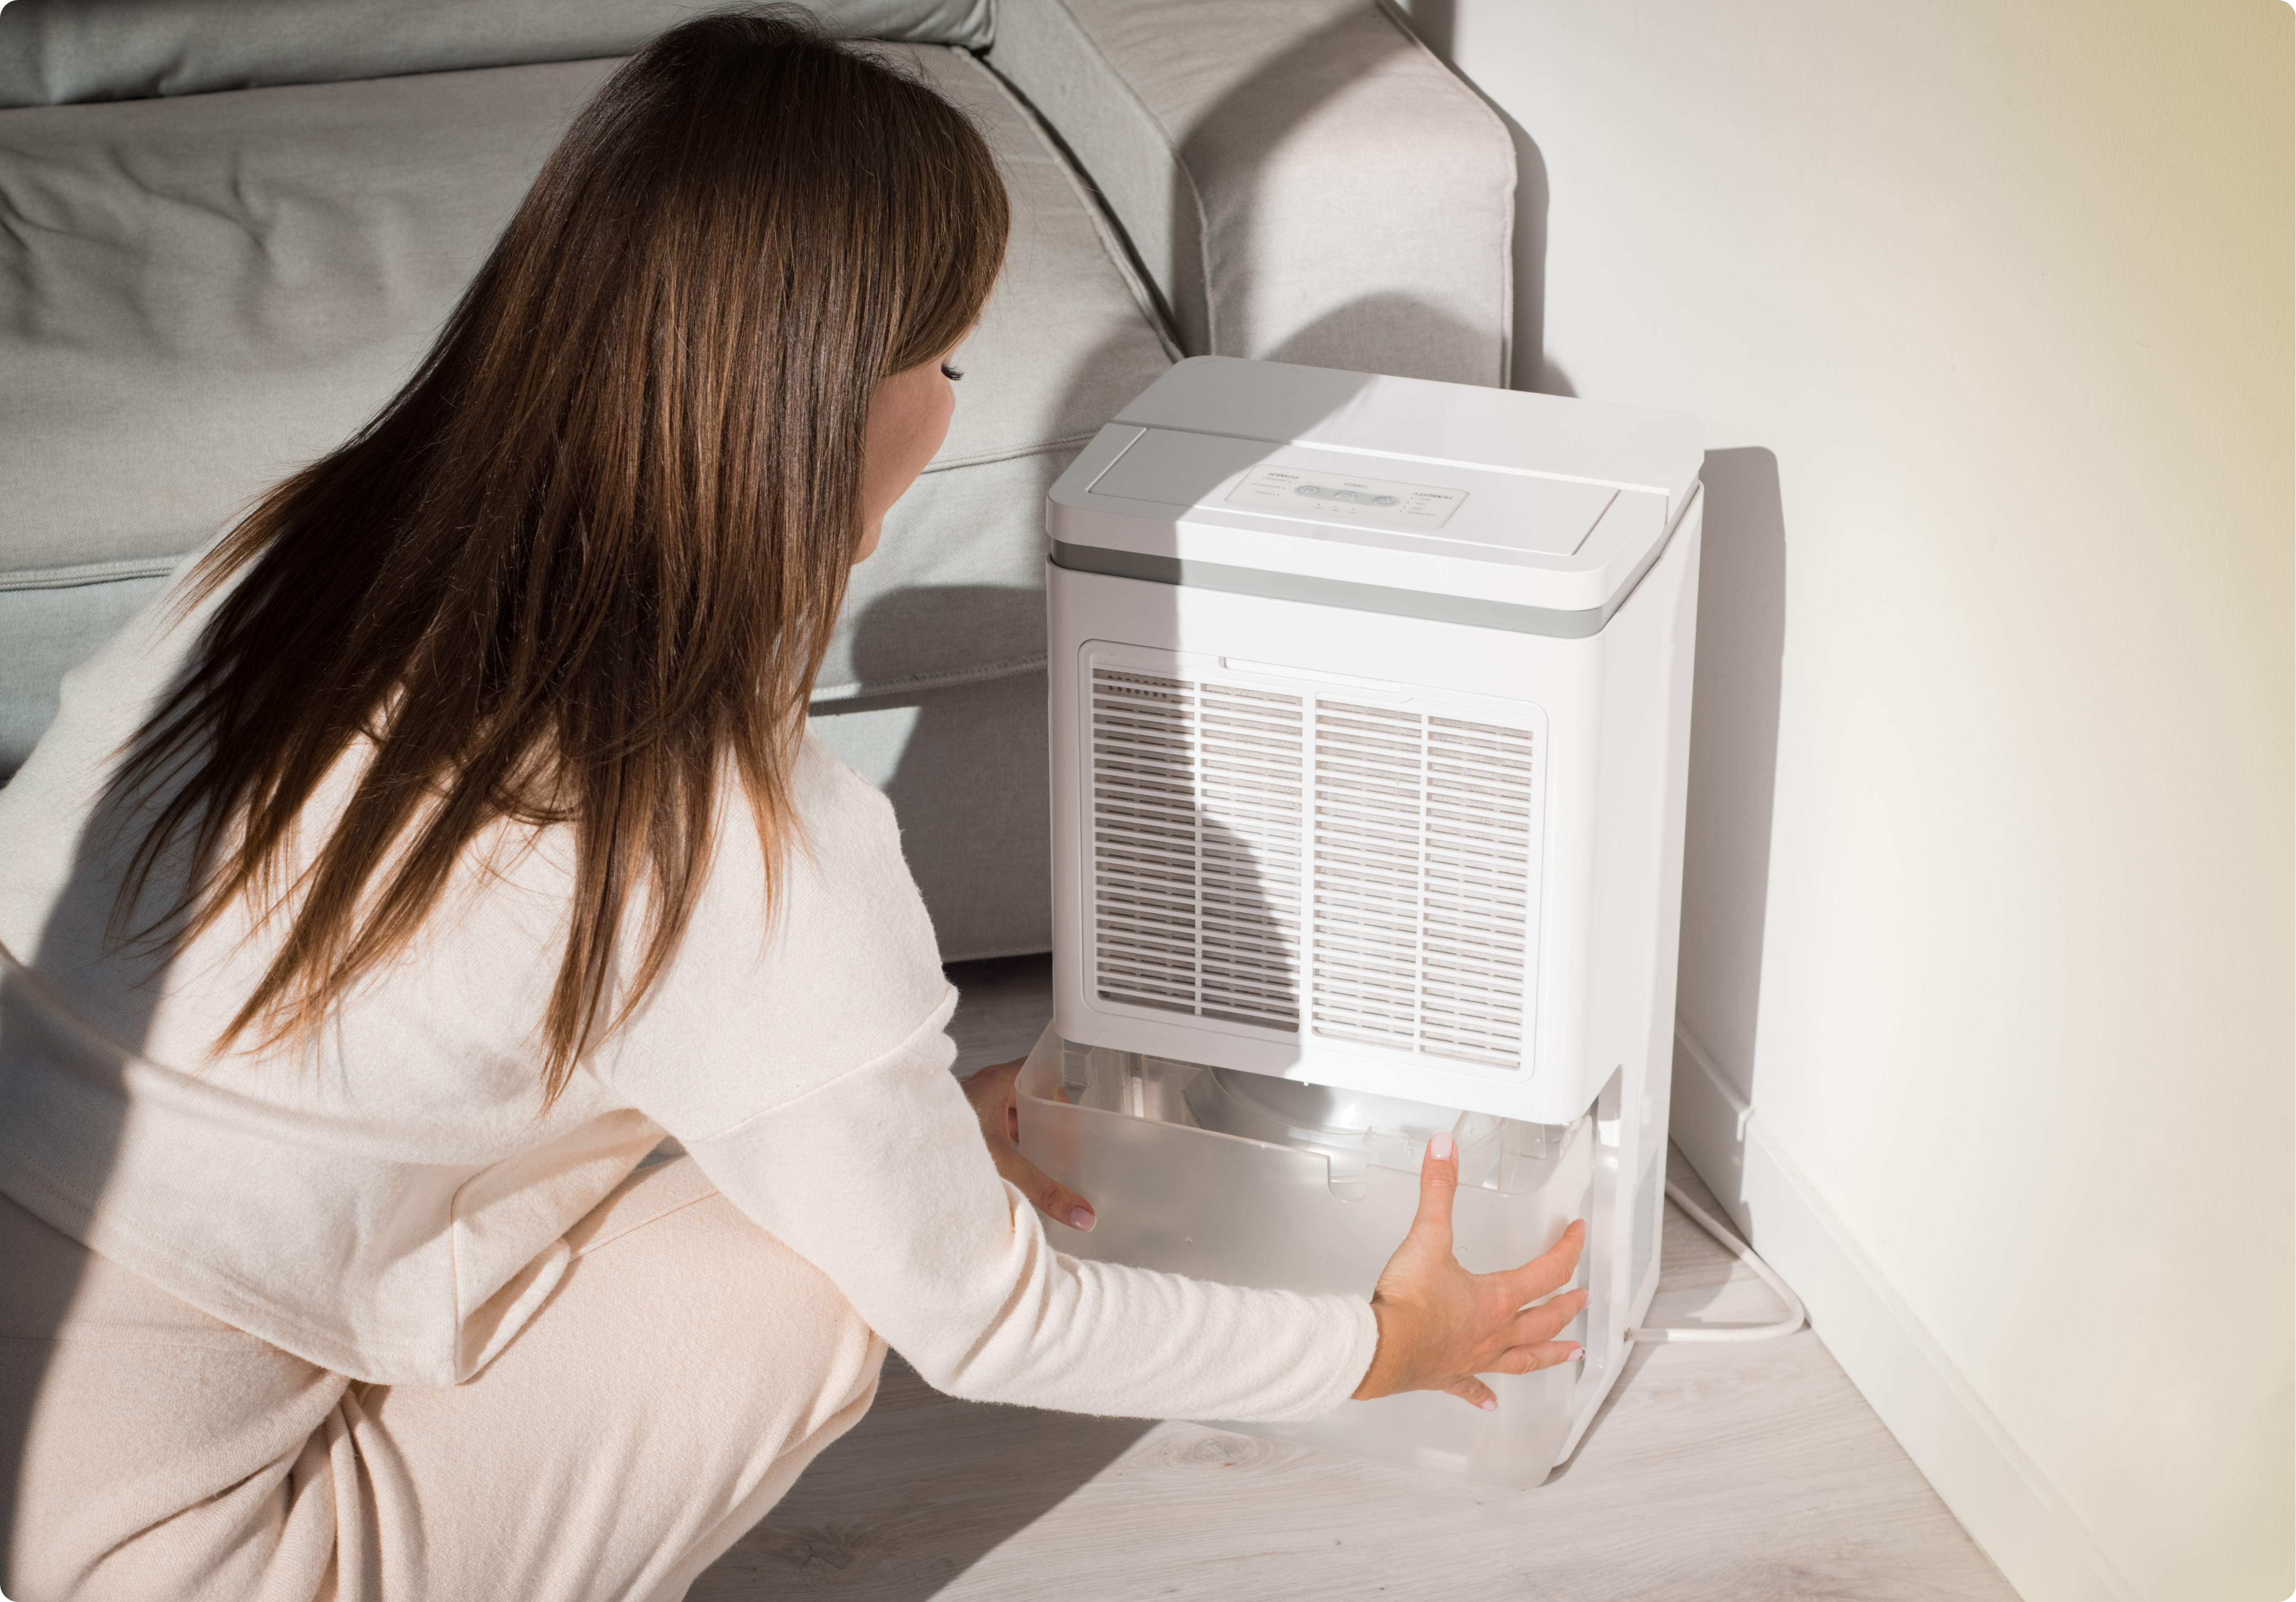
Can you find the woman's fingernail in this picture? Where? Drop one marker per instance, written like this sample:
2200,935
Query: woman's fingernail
1489,1404
1443,1148
1579,1356
1080,1218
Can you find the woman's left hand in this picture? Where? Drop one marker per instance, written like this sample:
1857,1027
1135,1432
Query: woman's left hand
996,1098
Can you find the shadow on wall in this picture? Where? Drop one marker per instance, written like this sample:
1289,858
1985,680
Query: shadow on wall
1339,338
1529,367
1391,333
1733,759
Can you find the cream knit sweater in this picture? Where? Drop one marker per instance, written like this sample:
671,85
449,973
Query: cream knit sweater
389,1203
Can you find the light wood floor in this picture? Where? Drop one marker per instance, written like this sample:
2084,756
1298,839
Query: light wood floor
1713,1473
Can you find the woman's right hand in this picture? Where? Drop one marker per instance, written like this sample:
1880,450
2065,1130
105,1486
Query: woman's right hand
1439,1326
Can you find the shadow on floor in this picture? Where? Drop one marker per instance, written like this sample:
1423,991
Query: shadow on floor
925,1485
922,1490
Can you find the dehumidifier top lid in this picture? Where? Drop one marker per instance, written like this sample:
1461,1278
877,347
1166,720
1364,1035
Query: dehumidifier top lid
1475,505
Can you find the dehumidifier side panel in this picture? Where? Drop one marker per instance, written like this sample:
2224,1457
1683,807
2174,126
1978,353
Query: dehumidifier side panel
1067,810
1644,715
1637,852
1657,1081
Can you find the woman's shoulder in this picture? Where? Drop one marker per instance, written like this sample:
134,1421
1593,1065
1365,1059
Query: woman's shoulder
849,830
846,828
838,877
822,777
826,962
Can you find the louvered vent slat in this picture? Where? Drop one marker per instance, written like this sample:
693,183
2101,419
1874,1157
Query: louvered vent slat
1286,861
1422,877
1197,797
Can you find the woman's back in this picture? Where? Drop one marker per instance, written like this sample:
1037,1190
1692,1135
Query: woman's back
382,1198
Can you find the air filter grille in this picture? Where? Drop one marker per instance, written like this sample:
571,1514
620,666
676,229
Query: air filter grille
1196,800
1280,859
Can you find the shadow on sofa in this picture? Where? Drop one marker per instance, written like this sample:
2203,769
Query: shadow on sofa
966,765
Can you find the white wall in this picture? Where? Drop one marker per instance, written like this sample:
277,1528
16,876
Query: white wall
1990,302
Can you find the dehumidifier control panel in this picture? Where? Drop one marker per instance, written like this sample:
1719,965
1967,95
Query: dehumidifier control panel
1380,503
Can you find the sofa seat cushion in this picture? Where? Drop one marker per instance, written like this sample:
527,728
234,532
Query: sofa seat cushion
199,294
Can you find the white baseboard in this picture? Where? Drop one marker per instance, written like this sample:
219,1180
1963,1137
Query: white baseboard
2001,1498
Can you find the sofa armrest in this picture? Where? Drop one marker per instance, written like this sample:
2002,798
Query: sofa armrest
1302,180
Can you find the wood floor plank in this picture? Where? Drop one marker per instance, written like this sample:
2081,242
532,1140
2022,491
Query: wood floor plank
1749,1471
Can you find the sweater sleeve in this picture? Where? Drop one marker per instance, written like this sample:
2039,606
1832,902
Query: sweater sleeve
801,1059
880,1180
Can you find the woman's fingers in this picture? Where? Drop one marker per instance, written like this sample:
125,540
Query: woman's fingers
1516,1359
1551,1269
1049,1197
1441,1325
1543,1322
1470,1389
1530,1359
987,1088
1438,1183
995,1095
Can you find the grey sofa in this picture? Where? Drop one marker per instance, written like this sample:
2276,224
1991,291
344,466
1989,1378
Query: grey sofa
228,228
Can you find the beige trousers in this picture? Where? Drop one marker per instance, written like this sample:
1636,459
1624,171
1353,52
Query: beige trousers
682,1374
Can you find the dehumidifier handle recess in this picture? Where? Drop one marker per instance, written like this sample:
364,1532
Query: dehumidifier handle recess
1673,1334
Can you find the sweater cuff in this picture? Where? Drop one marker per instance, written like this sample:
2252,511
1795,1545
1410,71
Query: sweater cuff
1362,1327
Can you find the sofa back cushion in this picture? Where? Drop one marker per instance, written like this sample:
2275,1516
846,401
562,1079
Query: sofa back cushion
57,52
199,294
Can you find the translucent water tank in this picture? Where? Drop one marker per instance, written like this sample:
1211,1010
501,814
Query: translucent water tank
1249,1179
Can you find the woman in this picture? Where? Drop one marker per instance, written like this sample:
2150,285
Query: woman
449,833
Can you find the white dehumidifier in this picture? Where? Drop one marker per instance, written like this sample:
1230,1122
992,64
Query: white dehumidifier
1370,705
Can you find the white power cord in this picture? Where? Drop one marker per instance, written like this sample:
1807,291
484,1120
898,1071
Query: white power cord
1675,1333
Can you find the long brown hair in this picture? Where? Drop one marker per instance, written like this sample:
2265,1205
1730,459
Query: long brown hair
586,562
